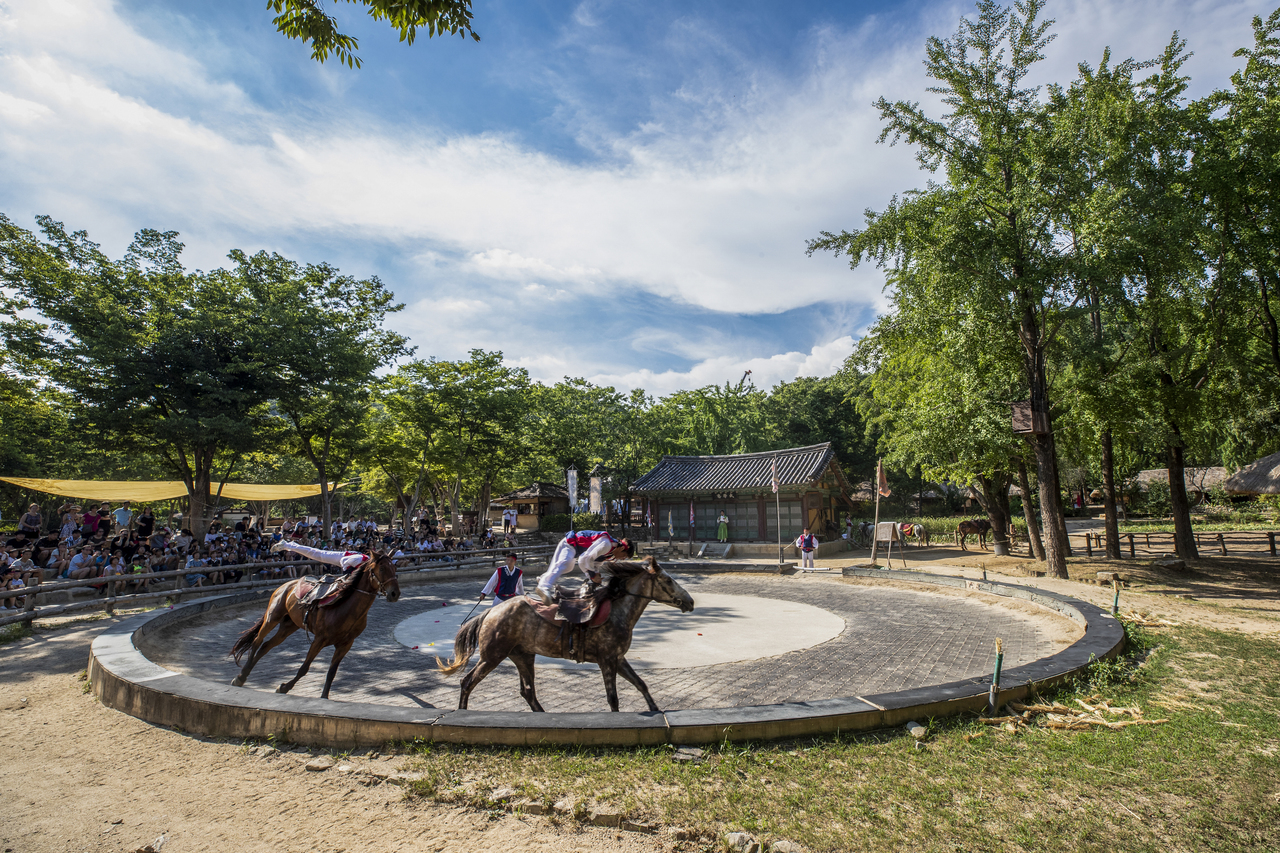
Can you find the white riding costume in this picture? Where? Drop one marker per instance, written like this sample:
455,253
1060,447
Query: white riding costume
348,561
583,547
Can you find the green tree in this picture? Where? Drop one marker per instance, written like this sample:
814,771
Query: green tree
327,364
981,249
307,20
468,413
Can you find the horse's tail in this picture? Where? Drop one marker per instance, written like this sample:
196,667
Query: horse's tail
246,639
464,645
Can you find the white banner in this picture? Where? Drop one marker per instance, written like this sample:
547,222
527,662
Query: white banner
597,499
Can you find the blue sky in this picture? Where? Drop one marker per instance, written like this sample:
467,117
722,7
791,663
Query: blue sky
615,190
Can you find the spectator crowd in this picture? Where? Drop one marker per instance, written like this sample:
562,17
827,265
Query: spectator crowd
102,543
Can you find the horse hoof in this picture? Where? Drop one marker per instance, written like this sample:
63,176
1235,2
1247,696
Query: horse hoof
237,682
283,688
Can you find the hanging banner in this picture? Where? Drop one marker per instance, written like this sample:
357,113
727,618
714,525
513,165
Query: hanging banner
573,489
596,489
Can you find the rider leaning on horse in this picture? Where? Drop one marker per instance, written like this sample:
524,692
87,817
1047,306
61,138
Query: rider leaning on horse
585,548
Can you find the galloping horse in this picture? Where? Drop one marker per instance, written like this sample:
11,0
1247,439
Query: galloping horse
514,630
337,625
977,527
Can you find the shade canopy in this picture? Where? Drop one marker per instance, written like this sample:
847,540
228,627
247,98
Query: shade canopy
1256,478
160,490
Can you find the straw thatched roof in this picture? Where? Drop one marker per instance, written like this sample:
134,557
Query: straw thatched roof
1257,478
1199,480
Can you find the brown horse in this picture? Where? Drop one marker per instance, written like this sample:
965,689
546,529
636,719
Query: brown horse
514,630
337,625
976,527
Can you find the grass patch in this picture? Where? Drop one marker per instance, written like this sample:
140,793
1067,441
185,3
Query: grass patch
15,632
1207,779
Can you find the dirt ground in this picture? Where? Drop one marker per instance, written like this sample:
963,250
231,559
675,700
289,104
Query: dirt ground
76,776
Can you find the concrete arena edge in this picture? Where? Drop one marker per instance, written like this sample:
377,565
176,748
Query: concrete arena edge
126,680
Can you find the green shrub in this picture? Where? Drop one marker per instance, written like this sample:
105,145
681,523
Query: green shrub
559,523
1158,499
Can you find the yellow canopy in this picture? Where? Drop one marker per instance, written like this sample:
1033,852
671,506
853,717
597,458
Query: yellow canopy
116,492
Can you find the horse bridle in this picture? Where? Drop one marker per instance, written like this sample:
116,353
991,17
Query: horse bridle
377,584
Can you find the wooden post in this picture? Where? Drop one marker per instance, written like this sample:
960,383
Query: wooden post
1222,545
1271,543
1148,541
1088,544
29,603
1133,553
111,598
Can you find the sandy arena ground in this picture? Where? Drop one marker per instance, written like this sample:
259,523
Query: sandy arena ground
79,777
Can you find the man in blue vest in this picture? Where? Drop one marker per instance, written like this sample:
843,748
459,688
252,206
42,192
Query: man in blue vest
807,543
583,548
507,581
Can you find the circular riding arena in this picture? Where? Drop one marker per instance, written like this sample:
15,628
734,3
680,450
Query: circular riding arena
761,656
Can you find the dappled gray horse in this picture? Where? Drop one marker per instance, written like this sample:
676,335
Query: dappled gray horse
515,630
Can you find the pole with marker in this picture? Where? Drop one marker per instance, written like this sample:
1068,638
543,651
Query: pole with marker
1115,601
993,696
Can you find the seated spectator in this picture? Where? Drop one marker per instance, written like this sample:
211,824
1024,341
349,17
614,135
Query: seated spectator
193,576
10,581
81,565
183,541
27,569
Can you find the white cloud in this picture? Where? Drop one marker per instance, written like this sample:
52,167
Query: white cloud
822,360
708,201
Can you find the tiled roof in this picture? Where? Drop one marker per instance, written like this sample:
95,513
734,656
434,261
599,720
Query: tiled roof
535,490
796,466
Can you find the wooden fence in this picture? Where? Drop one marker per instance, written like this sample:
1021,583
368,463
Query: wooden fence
116,586
1219,541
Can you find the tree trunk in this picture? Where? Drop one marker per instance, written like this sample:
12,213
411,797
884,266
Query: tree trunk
1062,512
995,500
1184,540
1112,523
1050,508
1029,513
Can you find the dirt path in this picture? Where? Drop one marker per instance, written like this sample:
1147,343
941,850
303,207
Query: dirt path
79,777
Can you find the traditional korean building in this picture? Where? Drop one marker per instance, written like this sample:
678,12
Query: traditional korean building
813,491
533,502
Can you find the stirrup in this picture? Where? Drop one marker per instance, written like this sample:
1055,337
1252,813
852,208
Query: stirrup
542,595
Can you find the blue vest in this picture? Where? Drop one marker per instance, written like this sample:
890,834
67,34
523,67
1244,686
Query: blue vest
507,583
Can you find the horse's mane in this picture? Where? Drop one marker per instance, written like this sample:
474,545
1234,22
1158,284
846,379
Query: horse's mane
618,572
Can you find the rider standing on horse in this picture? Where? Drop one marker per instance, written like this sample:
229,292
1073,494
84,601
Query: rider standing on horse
348,561
584,547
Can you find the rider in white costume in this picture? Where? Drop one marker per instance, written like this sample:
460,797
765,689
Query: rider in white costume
348,561
585,548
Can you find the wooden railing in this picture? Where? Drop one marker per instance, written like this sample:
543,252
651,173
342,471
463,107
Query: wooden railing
1095,539
412,562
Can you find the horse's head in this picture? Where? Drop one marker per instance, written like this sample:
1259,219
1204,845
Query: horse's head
383,574
645,578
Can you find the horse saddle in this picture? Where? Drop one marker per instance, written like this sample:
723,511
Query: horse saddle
590,607
324,591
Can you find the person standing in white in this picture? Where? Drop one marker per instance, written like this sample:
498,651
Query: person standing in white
807,543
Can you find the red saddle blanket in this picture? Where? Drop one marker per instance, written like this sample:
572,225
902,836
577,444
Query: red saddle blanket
573,611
